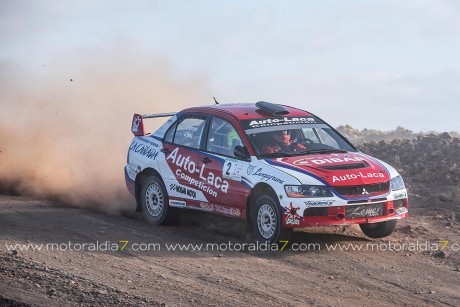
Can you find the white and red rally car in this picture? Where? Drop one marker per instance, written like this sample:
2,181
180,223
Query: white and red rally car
275,166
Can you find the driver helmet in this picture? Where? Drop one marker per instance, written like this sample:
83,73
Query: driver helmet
282,136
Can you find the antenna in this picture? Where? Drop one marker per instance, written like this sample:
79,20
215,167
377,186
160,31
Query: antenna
215,100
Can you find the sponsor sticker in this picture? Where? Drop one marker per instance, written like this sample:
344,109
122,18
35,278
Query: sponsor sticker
364,211
177,203
316,161
400,195
319,203
188,170
206,207
232,169
182,190
250,170
266,176
136,122
269,122
356,176
227,211
291,215
401,211
144,148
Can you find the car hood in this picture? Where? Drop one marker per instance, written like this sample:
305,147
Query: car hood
337,169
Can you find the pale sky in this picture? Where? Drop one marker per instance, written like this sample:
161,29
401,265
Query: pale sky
373,64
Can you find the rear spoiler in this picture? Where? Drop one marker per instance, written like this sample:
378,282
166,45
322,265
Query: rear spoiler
137,127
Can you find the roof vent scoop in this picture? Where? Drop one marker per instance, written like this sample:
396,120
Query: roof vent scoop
271,108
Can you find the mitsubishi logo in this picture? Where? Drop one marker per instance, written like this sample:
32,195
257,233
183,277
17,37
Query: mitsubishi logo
364,192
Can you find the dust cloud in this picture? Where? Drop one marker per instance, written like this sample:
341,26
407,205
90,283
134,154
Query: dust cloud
65,124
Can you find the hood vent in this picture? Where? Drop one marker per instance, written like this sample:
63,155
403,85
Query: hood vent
272,109
345,166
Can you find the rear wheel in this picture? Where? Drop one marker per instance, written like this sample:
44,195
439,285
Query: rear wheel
379,230
155,201
266,221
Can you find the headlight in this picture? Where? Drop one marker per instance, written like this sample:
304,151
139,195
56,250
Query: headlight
397,183
307,191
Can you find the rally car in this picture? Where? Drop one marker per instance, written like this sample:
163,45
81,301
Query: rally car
275,166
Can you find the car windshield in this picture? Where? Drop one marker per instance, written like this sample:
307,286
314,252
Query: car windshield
295,139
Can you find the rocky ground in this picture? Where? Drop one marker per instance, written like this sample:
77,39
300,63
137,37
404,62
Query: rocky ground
430,165
408,268
423,276
367,135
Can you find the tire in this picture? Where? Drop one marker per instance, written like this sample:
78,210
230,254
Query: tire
267,221
155,202
379,230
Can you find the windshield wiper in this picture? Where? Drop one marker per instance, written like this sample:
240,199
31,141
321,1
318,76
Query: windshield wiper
300,153
322,150
277,155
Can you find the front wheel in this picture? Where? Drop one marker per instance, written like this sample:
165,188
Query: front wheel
266,221
155,201
379,230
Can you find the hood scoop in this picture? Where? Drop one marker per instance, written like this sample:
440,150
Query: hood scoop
359,165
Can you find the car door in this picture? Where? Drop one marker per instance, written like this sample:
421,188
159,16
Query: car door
180,167
221,169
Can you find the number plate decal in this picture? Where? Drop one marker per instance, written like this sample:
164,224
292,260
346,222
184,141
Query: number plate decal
364,211
232,169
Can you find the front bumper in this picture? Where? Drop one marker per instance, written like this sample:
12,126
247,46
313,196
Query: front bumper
298,216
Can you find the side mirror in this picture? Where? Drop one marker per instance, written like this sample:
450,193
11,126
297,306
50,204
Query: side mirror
241,152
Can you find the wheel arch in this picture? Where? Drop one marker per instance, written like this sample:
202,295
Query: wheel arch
259,189
147,172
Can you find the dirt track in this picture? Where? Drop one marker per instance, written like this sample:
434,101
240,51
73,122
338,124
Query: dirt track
163,277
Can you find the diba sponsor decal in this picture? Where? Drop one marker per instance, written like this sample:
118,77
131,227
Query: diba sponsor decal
309,161
187,166
319,203
281,121
356,176
267,177
137,146
182,190
291,215
227,211
177,203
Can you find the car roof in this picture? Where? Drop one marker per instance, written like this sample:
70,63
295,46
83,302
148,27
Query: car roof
244,111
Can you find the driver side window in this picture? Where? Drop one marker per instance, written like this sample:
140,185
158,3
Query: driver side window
222,137
189,132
